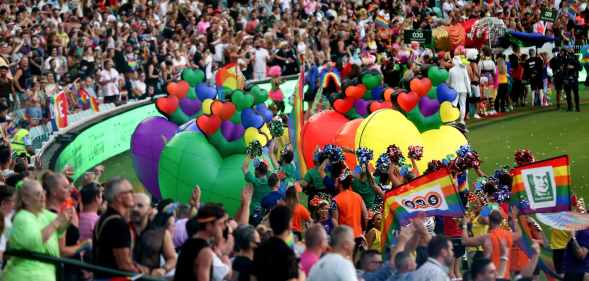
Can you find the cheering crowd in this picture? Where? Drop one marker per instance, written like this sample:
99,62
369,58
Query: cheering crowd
120,51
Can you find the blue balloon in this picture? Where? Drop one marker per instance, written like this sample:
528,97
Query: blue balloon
189,126
249,118
446,93
265,112
377,93
204,91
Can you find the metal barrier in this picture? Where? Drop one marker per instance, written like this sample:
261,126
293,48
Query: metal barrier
60,262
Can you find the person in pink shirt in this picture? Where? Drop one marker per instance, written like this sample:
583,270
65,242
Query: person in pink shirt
316,244
91,202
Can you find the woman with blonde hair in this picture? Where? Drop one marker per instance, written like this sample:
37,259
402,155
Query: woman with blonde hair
34,229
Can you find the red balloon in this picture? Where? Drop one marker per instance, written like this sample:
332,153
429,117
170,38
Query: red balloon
227,111
345,137
356,91
320,130
167,105
183,88
343,105
208,124
407,101
420,86
374,106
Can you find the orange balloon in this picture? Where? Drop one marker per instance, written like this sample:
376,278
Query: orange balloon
345,138
182,89
217,108
388,92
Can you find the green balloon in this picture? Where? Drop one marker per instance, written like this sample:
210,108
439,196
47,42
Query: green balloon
179,117
433,94
432,122
225,147
191,93
424,123
371,81
193,76
260,95
352,114
241,100
236,118
220,179
437,75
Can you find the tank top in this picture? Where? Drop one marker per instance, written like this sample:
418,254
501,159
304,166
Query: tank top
349,207
496,235
26,79
149,247
188,254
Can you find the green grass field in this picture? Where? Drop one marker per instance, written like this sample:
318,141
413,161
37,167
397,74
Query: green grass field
547,133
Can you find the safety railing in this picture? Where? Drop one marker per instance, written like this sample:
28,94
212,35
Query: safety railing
60,262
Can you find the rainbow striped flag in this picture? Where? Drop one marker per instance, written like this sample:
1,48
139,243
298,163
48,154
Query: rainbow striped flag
86,100
296,121
381,22
60,110
432,194
546,260
543,186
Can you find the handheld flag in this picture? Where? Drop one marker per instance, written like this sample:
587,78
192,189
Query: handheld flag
432,194
295,126
543,186
60,109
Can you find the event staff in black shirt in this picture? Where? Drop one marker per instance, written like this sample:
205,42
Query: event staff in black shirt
571,68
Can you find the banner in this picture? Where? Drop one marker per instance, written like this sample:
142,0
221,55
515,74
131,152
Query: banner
549,15
569,221
423,37
433,194
542,187
60,109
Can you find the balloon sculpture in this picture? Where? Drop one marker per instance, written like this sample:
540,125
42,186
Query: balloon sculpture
202,139
369,115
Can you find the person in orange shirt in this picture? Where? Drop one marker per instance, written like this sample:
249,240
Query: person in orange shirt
351,209
492,241
301,217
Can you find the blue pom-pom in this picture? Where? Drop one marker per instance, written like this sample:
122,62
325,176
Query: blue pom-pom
364,155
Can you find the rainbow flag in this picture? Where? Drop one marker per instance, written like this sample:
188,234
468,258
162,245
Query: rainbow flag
543,186
86,100
296,121
229,76
462,181
545,261
381,22
60,109
432,194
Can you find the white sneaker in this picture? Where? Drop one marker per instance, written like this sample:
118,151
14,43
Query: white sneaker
476,116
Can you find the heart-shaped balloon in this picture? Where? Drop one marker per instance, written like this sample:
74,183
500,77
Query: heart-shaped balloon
407,101
204,91
361,107
208,124
220,179
207,106
433,93
147,143
167,105
216,108
260,95
355,91
428,106
420,86
251,119
371,80
437,75
227,111
263,110
190,107
193,76
388,92
231,131
242,100
424,123
377,93
252,134
343,105
178,90
374,106
191,93
446,93
448,113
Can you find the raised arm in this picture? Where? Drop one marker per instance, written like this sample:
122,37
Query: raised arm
245,165
243,213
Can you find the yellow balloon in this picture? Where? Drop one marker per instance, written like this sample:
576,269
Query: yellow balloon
386,127
266,132
206,106
252,134
448,113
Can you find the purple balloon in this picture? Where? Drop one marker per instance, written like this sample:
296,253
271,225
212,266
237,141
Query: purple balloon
428,106
189,126
147,142
190,107
361,106
231,131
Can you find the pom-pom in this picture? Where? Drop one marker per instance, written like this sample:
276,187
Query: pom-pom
466,158
364,155
395,154
477,197
502,194
276,129
415,152
334,153
523,157
254,149
463,150
434,165
383,163
523,204
318,156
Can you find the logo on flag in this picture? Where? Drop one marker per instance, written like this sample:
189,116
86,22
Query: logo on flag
540,185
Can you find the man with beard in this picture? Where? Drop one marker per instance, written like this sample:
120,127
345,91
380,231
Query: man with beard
141,212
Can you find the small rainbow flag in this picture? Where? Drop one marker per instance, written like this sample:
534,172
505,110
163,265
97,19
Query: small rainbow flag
229,76
86,100
296,121
382,22
543,186
60,110
432,194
